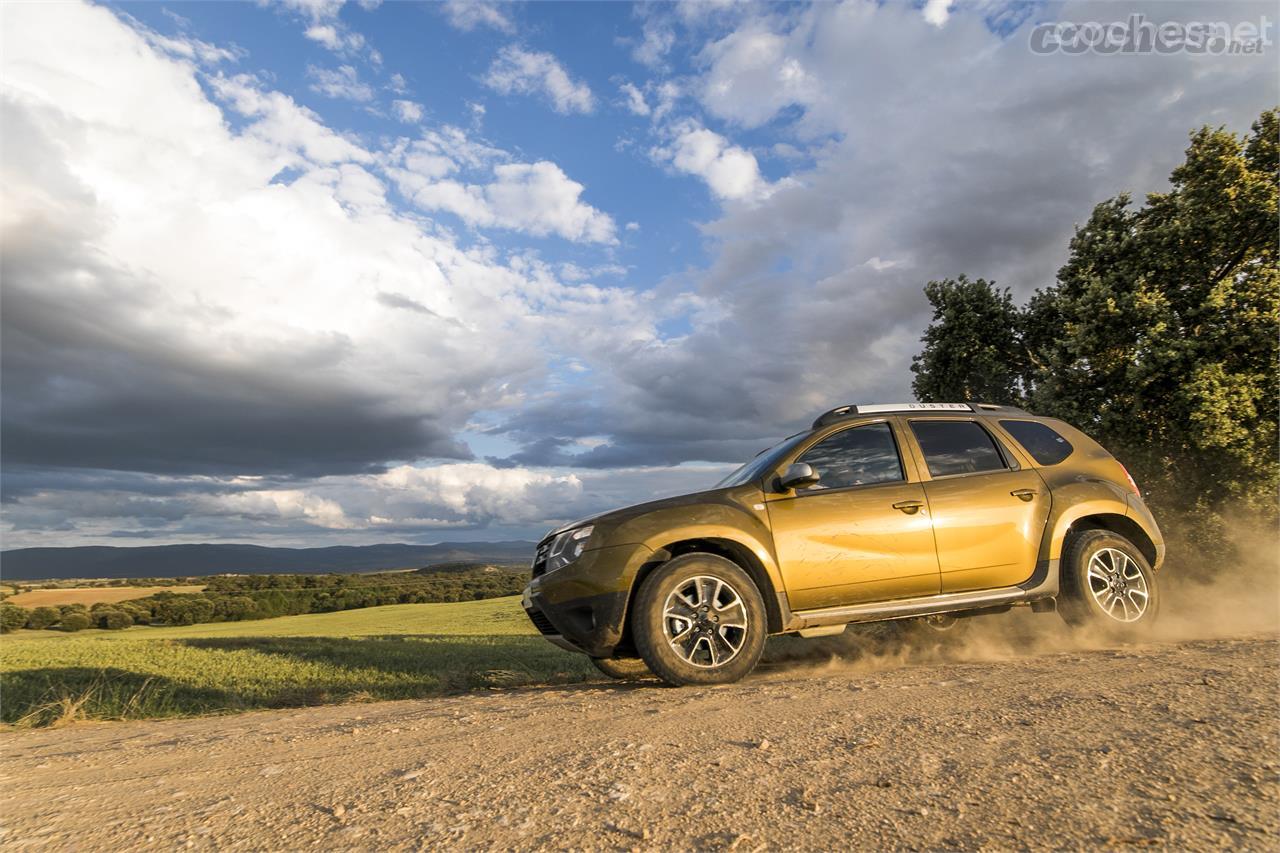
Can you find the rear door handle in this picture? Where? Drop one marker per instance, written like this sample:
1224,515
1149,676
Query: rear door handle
1024,494
909,507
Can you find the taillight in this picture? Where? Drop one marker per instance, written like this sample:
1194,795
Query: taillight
1129,477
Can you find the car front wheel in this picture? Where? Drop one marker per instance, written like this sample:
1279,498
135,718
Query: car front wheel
1107,584
699,619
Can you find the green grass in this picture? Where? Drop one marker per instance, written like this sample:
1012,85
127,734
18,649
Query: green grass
395,652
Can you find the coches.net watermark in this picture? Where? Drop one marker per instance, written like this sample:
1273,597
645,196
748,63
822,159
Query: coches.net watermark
1137,35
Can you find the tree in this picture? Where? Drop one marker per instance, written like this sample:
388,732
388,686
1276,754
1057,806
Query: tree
1160,335
43,617
973,348
113,620
75,620
12,617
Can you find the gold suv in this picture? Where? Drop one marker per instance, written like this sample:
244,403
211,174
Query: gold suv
876,512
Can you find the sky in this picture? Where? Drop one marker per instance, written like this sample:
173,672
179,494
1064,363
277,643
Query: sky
318,272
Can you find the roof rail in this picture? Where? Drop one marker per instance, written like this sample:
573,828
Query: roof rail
841,412
996,407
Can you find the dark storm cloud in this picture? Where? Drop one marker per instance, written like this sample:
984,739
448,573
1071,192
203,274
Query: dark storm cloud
88,384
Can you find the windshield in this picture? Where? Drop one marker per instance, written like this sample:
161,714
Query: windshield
765,460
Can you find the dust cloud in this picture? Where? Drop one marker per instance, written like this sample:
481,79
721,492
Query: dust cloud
1202,597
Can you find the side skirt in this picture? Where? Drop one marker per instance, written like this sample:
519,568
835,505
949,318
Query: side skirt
907,607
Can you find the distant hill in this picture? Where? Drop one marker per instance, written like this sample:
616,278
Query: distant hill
157,561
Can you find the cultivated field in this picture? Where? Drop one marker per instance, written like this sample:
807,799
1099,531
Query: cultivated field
90,595
394,652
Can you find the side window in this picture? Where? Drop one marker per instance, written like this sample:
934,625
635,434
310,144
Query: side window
956,447
859,456
1040,440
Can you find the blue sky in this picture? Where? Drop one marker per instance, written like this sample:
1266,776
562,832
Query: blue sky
443,69
315,272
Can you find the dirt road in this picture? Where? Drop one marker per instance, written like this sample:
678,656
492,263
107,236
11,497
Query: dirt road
1168,745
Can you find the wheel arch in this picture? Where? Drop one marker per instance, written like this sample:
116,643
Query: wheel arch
736,552
1121,525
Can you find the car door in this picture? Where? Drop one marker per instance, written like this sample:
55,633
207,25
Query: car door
988,512
862,533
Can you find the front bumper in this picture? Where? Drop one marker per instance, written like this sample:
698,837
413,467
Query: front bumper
583,607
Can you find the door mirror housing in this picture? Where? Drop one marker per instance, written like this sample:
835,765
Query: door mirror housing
798,475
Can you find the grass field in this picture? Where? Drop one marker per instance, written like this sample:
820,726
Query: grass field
396,652
90,595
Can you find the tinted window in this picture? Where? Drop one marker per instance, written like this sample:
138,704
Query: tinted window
855,457
1044,445
956,447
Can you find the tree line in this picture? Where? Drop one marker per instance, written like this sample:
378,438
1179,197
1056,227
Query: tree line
1158,336
239,597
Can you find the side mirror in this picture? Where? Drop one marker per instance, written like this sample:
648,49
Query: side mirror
799,475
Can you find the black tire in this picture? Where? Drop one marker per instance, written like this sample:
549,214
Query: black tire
623,669
1078,604
736,598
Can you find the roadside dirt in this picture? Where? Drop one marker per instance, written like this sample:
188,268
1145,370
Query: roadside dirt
1172,745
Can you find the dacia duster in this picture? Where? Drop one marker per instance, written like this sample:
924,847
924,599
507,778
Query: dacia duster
876,512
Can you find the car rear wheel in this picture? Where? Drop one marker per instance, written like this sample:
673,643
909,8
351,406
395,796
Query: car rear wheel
699,619
623,669
1107,584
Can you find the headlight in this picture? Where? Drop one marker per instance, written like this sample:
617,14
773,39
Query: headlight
567,547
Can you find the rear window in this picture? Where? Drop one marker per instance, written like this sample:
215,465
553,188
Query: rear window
956,447
1044,445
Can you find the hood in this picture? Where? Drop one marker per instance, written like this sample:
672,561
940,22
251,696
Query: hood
617,516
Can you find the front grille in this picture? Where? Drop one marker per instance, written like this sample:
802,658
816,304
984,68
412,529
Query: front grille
541,622
540,558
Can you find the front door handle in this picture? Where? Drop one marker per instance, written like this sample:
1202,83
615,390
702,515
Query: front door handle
1024,494
909,507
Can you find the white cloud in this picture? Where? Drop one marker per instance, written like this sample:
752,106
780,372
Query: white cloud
398,84
467,15
341,82
881,265
635,101
657,41
667,93
284,127
325,34
276,505
407,111
534,198
316,10
937,12
730,172
335,37
192,48
528,72
753,75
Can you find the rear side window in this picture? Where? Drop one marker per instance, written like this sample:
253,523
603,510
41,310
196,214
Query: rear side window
1044,445
956,447
860,456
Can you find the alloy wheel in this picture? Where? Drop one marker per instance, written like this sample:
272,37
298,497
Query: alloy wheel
705,621
1118,585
